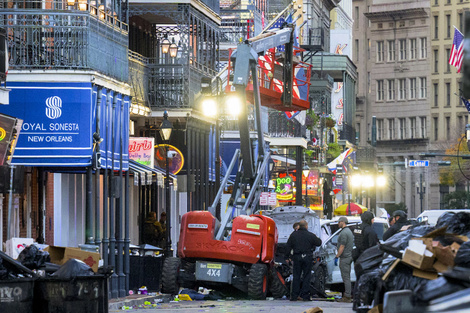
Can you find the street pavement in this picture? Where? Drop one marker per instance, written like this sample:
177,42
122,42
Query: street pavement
240,306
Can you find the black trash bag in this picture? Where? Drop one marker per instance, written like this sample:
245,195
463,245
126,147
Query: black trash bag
436,288
445,220
33,258
400,240
3,271
459,224
402,278
369,260
73,268
462,258
367,287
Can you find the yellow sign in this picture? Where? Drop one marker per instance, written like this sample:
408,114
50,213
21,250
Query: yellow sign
216,266
252,226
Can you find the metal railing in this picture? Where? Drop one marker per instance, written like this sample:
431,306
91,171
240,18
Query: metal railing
50,35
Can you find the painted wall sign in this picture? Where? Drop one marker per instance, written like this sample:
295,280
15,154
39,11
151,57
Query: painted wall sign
141,149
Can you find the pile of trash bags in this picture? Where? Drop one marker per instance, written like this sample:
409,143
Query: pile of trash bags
442,270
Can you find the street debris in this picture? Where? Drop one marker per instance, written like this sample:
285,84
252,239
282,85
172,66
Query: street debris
424,263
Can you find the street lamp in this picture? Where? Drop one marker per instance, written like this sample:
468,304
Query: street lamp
165,131
165,45
306,171
173,49
420,190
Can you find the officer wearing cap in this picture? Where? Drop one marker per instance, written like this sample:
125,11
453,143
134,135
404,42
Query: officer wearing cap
345,246
302,243
400,220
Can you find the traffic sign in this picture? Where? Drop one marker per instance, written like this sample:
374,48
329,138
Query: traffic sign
418,163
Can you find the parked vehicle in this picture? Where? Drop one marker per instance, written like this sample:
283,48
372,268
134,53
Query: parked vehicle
330,247
285,217
430,217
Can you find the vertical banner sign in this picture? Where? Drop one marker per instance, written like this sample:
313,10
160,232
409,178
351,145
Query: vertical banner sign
141,150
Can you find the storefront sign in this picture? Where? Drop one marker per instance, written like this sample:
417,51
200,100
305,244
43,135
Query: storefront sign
141,150
56,123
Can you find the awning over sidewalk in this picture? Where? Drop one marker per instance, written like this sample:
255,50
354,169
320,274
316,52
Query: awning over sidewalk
146,174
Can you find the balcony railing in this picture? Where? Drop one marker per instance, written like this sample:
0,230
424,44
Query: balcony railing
51,35
315,39
348,133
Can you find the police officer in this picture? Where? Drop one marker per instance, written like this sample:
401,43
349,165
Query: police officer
302,243
400,220
364,235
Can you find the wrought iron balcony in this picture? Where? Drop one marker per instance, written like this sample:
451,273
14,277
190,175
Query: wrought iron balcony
347,132
55,35
316,39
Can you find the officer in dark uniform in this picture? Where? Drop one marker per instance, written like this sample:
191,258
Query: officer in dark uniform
400,220
364,235
302,243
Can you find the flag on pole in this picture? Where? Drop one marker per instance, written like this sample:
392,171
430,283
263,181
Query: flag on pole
466,103
456,54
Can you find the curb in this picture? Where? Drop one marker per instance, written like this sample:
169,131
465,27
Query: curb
117,304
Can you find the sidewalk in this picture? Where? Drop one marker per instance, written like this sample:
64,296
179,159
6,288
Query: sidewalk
134,300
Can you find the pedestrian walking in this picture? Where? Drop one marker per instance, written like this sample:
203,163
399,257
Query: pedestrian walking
302,243
398,221
344,254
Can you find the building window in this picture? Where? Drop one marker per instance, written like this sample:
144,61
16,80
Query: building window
436,27
423,126
423,50
436,130
448,127
461,21
461,125
356,17
466,119
448,25
380,90
447,94
436,61
402,89
368,80
358,132
368,48
413,49
402,49
391,89
412,88
391,50
436,2
448,57
391,128
412,127
380,129
402,128
356,43
380,51
436,94
422,88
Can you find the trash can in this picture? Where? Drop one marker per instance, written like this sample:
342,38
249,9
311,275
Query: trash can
16,295
77,295
145,271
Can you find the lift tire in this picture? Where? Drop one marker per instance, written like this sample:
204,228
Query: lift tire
258,281
170,271
317,282
277,286
189,270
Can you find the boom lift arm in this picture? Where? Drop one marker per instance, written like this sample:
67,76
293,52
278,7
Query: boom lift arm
250,175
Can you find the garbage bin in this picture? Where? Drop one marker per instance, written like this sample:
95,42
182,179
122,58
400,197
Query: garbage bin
145,271
16,295
77,295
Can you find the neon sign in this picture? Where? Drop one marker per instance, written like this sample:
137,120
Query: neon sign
284,187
